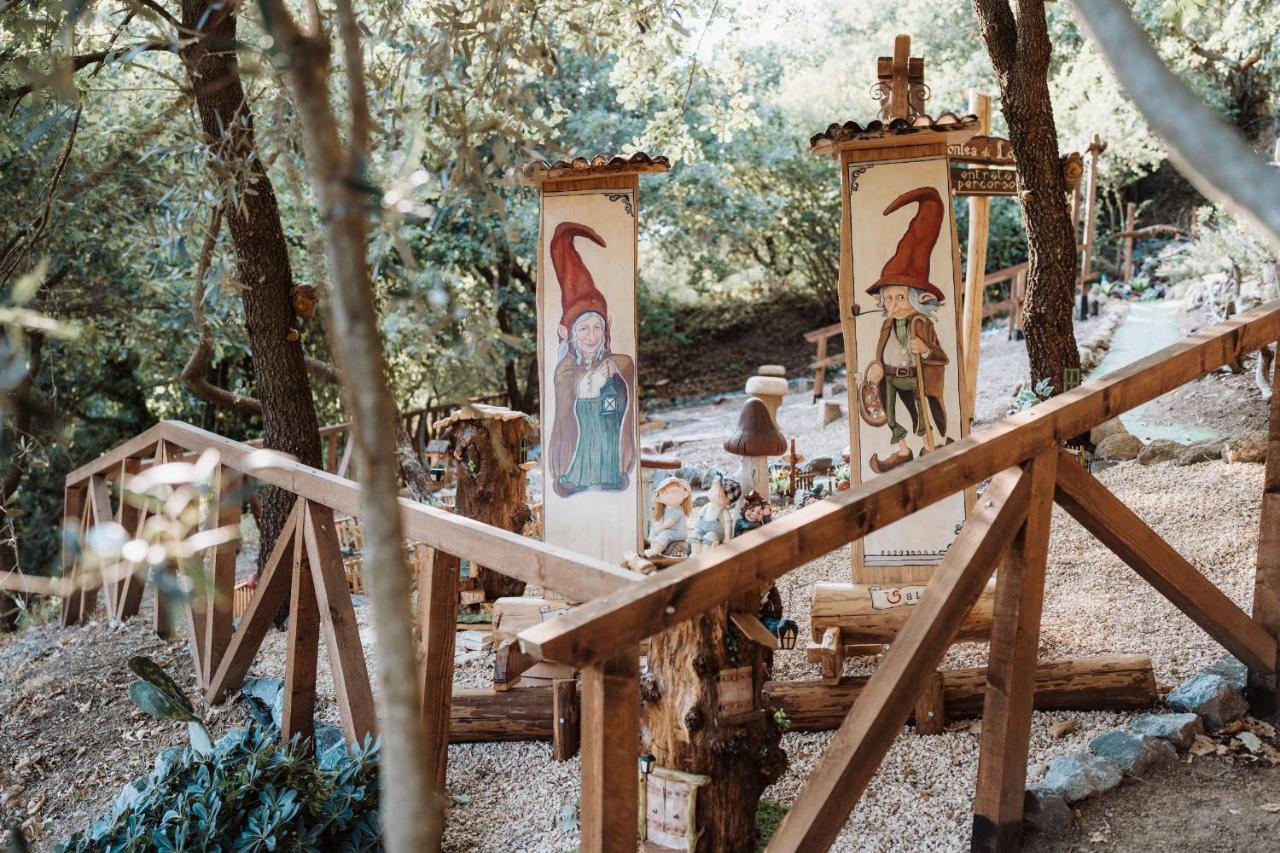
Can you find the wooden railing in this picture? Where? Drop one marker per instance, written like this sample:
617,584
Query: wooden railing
1009,528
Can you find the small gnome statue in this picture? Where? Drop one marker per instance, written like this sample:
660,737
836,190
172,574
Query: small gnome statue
672,506
756,512
715,518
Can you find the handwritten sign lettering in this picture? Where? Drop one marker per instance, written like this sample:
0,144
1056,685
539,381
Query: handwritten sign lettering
983,181
988,150
889,597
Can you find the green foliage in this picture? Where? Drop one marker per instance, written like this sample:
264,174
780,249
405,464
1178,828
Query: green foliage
249,794
163,691
769,815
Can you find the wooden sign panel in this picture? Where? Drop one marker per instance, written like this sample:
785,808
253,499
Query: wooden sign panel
735,691
587,342
966,182
671,808
906,350
986,150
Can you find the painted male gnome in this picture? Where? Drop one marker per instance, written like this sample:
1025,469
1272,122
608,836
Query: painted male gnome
593,436
910,364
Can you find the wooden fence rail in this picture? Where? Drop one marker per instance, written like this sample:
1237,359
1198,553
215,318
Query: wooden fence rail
1010,527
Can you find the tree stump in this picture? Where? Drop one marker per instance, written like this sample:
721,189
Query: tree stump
704,714
486,447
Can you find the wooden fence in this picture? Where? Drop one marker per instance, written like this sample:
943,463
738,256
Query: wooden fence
1009,528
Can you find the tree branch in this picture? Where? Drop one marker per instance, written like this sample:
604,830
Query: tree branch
1209,153
80,61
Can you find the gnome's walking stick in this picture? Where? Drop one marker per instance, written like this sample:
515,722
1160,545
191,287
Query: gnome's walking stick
921,399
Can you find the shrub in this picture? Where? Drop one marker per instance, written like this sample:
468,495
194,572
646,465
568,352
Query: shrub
249,794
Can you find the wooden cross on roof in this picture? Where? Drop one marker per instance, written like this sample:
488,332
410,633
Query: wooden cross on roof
901,78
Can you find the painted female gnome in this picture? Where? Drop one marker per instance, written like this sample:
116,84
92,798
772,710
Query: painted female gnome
910,363
593,437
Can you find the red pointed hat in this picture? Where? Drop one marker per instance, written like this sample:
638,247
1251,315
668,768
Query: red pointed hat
909,265
578,291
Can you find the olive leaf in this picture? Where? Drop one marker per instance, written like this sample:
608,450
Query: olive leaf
157,703
154,675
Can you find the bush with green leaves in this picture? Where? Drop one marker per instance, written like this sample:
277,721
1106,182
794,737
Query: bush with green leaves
249,794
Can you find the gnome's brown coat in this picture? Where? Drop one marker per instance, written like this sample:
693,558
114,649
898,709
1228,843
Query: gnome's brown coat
933,368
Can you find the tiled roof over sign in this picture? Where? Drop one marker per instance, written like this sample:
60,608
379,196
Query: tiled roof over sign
850,131
582,167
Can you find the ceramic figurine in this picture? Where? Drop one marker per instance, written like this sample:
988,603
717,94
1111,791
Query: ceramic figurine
756,512
672,506
715,519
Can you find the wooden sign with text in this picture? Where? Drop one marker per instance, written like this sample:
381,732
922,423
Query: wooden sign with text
966,182
987,150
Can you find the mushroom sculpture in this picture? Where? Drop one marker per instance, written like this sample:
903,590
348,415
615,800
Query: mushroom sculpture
770,390
756,439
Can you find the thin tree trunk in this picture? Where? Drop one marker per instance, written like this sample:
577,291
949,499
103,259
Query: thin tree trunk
412,815
289,422
1020,51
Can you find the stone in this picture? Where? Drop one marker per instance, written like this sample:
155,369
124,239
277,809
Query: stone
771,370
1120,447
709,476
331,746
1246,448
1211,696
1105,430
1234,671
690,475
1200,451
1178,729
1134,753
1079,775
1160,450
829,411
817,465
1046,812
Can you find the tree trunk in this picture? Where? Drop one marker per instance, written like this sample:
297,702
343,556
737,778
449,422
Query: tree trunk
685,729
491,483
1020,51
289,422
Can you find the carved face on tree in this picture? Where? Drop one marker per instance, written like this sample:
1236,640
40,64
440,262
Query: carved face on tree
304,299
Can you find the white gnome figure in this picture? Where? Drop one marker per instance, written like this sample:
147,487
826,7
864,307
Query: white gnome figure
672,505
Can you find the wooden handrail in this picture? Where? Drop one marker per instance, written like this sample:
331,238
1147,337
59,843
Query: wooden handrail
570,574
603,628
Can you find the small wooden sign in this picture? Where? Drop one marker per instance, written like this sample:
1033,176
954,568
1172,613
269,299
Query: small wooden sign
736,695
889,597
987,150
670,808
966,182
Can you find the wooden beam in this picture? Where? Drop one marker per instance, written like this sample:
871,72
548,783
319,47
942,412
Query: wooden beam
867,733
1120,529
222,572
1110,683
1266,589
1011,670
437,618
605,626
303,649
487,716
610,754
930,711
338,624
130,600
273,582
975,262
565,713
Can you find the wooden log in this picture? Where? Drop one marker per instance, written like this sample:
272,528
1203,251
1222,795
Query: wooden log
509,664
1110,683
483,715
565,713
874,613
486,454
1130,219
930,712
1007,703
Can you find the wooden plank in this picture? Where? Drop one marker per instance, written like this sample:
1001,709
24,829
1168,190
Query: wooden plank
610,754
437,614
132,517
757,558
273,582
820,365
1108,683
74,507
987,150
885,704
565,714
1011,670
509,663
303,649
1120,529
753,629
825,332
930,711
983,182
1266,589
222,572
338,624
976,260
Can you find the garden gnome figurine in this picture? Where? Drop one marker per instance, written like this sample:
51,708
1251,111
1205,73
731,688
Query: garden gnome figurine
909,366
672,506
756,512
756,439
715,517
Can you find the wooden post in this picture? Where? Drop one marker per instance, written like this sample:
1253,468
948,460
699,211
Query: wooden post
610,754
1011,670
437,624
1266,590
1130,222
304,646
565,714
222,574
1096,147
486,444
976,262
930,711
820,372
